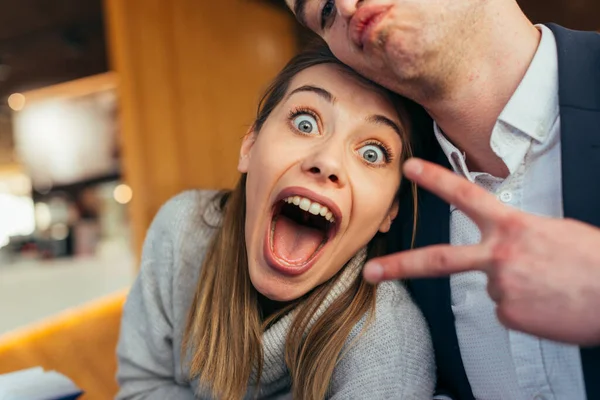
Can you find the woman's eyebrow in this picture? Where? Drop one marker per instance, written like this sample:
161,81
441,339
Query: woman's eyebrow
381,120
373,119
314,89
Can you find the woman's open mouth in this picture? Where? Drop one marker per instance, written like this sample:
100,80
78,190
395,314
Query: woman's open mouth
301,226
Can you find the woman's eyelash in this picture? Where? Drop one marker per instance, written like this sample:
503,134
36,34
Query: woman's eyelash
387,151
298,111
302,111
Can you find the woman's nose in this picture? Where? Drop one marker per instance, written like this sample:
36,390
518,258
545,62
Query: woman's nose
327,166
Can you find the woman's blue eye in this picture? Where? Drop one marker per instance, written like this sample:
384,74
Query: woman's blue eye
306,124
372,154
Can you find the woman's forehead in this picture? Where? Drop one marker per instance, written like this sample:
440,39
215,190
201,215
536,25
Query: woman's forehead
338,81
342,84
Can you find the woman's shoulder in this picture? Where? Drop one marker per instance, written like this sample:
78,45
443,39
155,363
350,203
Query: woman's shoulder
188,221
189,210
395,321
390,352
175,246
179,236
397,313
156,310
391,292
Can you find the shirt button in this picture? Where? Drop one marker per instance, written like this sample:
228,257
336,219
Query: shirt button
506,196
539,397
541,130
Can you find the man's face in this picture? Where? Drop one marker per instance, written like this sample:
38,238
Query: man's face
393,42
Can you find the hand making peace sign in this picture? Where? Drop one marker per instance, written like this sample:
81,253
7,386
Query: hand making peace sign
543,273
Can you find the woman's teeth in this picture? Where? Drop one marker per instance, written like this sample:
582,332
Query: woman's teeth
311,206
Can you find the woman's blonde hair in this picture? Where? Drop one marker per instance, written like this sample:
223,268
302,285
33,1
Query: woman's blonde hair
223,337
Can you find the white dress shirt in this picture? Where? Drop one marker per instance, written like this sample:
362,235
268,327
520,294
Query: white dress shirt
500,363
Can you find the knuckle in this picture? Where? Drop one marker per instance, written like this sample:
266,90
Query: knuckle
466,193
503,315
493,291
501,254
507,315
513,223
502,282
438,260
397,264
505,249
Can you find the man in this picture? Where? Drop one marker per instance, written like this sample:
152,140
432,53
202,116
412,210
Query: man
517,118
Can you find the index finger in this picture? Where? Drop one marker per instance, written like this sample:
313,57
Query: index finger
479,205
427,262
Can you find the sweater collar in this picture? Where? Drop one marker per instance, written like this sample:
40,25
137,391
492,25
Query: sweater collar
274,338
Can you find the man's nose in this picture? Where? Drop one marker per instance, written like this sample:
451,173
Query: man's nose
347,8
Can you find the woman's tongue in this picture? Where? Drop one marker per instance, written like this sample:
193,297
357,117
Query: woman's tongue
295,243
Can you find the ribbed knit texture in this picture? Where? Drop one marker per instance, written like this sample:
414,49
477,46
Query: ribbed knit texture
392,359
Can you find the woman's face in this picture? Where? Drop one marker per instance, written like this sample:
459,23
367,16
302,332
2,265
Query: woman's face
322,177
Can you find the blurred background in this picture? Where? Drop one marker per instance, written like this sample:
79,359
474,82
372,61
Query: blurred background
107,109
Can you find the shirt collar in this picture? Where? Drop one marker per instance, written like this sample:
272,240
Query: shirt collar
455,157
532,109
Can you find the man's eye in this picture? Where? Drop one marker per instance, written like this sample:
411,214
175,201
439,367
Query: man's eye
327,12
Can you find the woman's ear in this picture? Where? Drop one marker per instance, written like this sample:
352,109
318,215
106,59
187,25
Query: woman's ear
246,150
389,218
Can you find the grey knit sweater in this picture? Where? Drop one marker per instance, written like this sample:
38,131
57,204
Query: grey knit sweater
393,359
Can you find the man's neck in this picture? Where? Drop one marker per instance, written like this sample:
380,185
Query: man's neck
484,84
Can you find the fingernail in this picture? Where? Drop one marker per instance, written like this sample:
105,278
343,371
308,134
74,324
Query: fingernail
373,272
413,166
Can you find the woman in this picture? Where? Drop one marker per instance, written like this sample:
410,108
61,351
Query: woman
257,293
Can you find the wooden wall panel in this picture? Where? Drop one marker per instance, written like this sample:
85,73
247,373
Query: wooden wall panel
190,76
255,33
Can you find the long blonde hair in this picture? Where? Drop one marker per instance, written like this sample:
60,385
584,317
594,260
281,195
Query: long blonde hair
223,337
